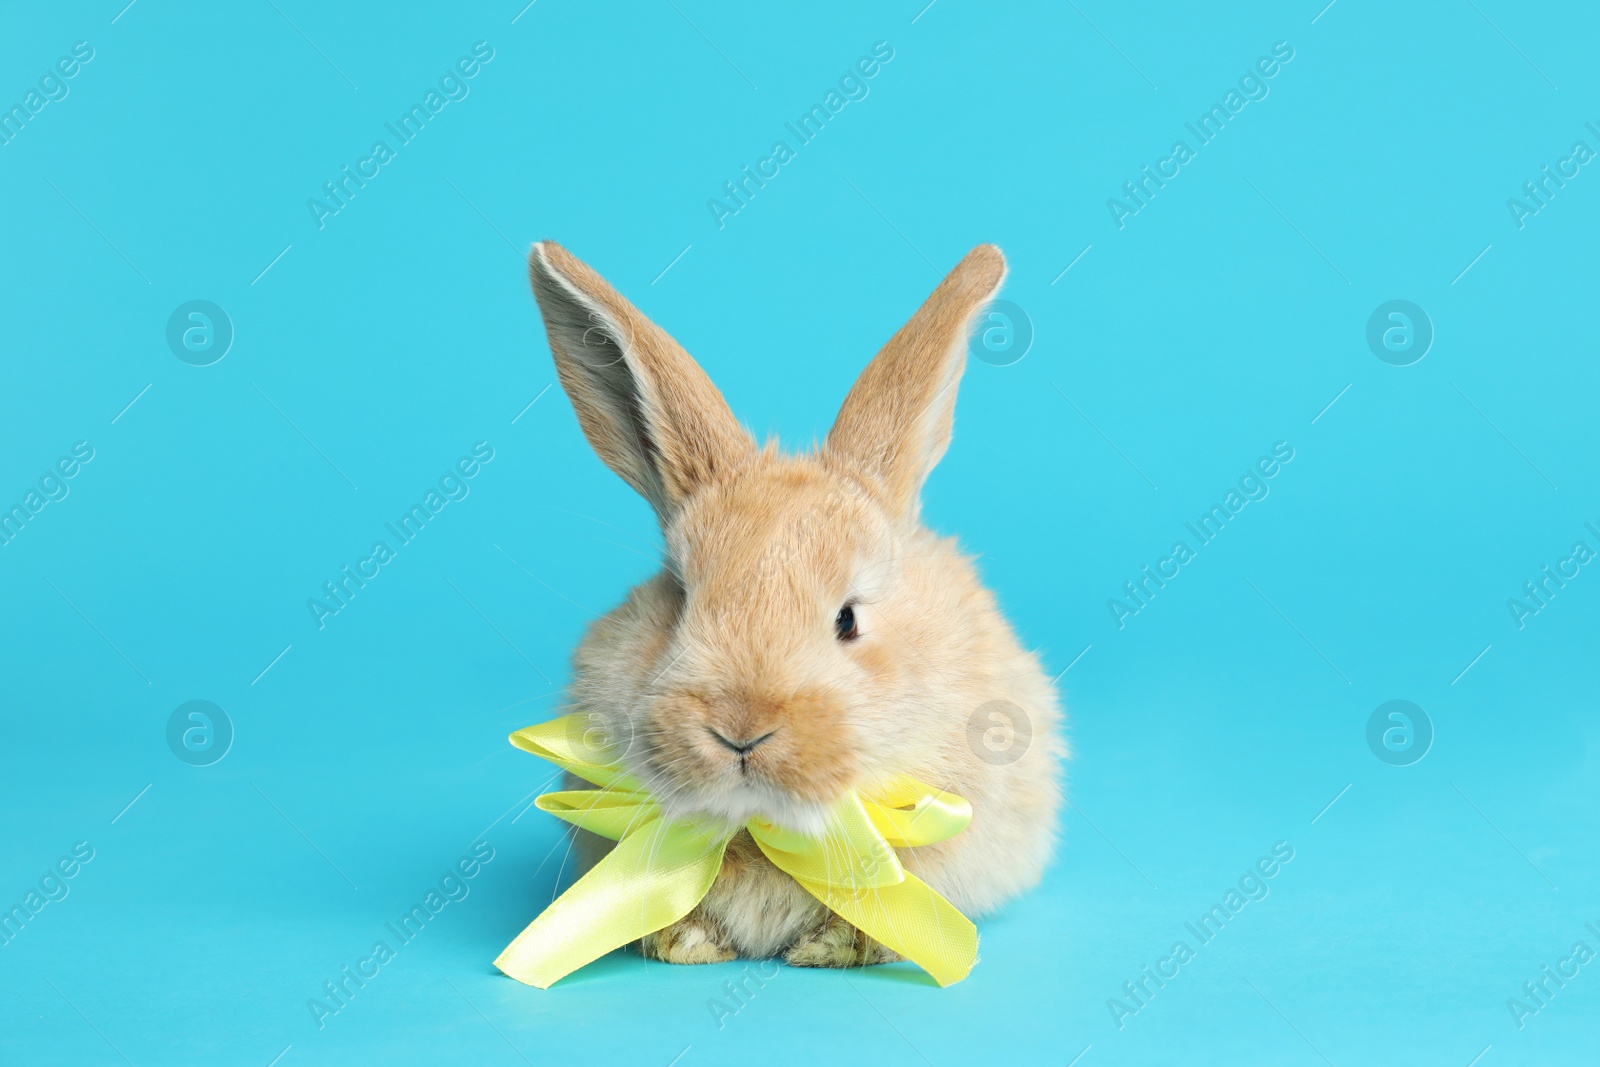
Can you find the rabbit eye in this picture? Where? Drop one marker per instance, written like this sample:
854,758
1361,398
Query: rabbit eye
844,624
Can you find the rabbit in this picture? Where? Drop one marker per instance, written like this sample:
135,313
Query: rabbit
807,635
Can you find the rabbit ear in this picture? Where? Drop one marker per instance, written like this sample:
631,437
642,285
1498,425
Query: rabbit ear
895,424
646,407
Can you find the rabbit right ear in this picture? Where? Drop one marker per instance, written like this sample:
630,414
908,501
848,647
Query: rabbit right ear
896,421
646,407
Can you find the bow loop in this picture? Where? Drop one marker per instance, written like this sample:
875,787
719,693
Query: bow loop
607,812
584,743
851,854
909,813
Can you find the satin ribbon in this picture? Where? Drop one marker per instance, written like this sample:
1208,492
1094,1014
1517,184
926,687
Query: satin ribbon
662,867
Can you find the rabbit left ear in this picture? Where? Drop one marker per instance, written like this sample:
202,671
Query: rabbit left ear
646,407
896,422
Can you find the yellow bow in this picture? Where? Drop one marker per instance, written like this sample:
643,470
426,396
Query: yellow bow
661,868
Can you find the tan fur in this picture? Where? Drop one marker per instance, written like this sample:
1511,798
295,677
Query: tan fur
736,637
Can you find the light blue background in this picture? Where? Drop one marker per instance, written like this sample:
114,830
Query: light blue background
1224,317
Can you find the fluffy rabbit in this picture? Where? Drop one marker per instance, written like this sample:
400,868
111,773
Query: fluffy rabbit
808,634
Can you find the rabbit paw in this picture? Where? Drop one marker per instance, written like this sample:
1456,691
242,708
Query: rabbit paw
837,944
692,939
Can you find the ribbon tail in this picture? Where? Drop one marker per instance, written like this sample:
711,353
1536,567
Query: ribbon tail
655,876
911,918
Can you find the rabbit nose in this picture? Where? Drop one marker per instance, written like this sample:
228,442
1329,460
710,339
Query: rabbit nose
743,748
